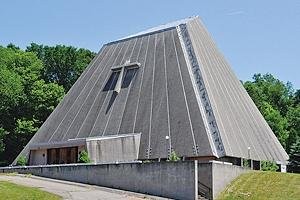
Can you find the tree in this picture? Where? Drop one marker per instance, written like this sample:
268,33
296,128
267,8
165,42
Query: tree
25,64
277,123
24,131
26,100
44,98
12,46
2,136
295,156
32,83
293,119
62,64
279,104
266,88
297,98
11,89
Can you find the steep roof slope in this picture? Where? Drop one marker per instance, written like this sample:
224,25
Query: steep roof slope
240,123
183,88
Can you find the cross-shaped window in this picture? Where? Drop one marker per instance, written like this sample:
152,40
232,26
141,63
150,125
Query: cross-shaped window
121,76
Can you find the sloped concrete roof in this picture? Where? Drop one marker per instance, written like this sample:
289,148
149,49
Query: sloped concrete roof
184,89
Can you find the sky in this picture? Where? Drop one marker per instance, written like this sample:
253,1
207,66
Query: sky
254,36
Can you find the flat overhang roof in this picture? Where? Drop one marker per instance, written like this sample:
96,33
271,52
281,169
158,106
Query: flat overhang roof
76,141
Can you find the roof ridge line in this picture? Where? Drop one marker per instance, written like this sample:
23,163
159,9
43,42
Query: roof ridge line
156,29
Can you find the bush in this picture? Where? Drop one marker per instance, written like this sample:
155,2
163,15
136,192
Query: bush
246,163
22,161
268,166
84,157
173,156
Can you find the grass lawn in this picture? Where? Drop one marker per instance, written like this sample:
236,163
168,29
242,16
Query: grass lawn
263,185
10,190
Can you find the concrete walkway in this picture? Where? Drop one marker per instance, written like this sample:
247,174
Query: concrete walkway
76,191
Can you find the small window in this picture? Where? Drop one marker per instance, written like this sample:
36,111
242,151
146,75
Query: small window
112,81
129,75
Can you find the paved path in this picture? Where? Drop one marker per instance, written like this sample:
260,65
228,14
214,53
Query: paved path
76,191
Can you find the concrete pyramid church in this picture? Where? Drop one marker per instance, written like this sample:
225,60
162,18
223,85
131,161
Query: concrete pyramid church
165,89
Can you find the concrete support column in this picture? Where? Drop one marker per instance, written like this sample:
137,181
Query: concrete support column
196,179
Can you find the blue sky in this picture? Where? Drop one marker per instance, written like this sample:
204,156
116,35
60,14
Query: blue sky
254,36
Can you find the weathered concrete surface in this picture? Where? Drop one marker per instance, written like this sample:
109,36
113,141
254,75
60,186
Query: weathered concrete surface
223,174
113,148
167,179
216,176
176,180
74,191
38,157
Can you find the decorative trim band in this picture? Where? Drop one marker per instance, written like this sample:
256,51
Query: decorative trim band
203,99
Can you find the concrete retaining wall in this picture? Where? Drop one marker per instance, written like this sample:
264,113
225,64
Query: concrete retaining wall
166,179
177,180
222,175
214,176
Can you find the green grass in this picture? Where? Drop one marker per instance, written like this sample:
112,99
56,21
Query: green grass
263,185
10,190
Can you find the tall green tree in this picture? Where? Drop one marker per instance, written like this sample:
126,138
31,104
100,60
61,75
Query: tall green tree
279,104
295,156
277,122
293,118
32,83
26,99
297,97
62,64
11,89
44,97
266,88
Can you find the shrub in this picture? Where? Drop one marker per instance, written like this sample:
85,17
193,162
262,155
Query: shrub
268,166
22,161
173,156
246,163
84,157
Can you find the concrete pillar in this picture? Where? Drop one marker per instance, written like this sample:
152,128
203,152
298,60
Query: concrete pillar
196,179
283,168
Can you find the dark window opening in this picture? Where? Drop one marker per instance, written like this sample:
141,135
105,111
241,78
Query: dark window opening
112,81
129,75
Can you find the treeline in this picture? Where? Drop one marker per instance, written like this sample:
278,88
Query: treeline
279,103
32,82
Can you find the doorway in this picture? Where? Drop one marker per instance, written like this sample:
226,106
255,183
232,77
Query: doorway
62,155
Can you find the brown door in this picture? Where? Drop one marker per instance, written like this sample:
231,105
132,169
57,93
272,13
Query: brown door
62,155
